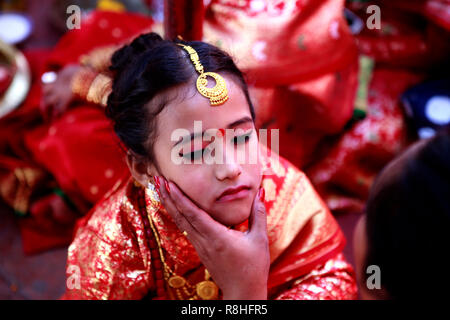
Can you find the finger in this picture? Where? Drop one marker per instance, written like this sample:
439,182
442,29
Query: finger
46,107
198,218
43,109
52,105
258,216
47,89
59,109
56,111
50,98
178,218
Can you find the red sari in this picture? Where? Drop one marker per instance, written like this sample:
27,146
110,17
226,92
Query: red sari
77,153
297,73
114,254
403,51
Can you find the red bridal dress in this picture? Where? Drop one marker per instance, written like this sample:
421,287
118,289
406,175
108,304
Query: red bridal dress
295,80
122,246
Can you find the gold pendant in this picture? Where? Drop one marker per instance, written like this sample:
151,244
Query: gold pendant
177,282
218,94
207,290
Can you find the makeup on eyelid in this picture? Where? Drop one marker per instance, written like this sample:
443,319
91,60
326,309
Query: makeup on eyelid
240,133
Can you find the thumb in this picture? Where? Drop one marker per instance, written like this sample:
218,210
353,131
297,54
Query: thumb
258,216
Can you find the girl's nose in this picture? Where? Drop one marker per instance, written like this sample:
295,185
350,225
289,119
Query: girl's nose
230,168
228,171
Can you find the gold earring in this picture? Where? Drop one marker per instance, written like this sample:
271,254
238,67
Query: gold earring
137,184
153,193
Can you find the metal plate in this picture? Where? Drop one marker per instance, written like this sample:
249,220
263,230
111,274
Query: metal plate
21,82
14,27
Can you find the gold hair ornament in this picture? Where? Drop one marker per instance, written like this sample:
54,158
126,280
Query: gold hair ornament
218,94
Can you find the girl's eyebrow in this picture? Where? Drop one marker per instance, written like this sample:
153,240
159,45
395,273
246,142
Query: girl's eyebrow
198,134
240,121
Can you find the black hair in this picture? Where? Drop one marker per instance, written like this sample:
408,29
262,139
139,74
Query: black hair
146,68
408,224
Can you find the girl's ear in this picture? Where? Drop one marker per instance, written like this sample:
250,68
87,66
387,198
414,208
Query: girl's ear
140,168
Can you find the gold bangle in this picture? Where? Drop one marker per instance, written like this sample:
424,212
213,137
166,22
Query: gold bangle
98,59
99,90
81,82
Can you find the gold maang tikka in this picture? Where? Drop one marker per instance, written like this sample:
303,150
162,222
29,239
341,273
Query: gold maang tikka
218,94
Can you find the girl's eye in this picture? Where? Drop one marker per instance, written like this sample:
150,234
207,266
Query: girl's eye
242,139
195,155
191,156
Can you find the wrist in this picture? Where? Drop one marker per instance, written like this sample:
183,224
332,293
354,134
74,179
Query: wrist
81,82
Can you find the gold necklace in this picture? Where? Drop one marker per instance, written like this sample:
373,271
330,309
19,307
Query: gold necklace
206,290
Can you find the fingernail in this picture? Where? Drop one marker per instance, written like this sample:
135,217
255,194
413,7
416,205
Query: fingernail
262,194
167,186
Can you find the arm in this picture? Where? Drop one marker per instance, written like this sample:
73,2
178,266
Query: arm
99,59
91,86
88,81
92,82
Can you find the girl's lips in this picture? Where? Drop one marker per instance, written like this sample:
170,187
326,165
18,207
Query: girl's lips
234,194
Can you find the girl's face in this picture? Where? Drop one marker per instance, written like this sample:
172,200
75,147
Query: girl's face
224,188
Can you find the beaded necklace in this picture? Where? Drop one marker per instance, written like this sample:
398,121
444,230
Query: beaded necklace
205,290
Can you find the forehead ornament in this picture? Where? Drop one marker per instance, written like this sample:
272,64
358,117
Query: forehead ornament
218,94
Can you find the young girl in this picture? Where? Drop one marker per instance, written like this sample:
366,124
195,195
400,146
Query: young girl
183,227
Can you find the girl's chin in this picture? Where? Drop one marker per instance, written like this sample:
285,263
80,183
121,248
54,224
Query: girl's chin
234,220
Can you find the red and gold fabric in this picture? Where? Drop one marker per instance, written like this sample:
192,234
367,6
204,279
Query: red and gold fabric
301,63
344,175
403,51
282,42
412,34
79,150
114,257
78,153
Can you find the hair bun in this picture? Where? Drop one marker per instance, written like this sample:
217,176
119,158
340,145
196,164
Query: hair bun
125,55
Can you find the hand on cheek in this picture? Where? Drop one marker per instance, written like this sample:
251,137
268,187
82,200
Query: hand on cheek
224,252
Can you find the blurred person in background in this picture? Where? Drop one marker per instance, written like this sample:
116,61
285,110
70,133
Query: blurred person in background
404,231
